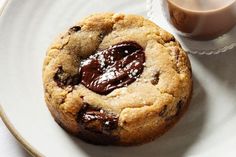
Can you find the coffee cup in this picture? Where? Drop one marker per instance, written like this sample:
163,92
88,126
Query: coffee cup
201,19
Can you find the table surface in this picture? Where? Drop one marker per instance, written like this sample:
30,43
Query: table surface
9,147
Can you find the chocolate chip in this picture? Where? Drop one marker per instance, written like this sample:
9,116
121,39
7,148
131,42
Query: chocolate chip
97,123
75,29
100,119
112,68
155,79
59,78
64,79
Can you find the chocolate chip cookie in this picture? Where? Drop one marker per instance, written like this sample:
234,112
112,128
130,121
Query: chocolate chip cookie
116,79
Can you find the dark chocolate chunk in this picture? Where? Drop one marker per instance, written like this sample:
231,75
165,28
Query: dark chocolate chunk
97,125
75,29
155,79
102,119
112,68
64,79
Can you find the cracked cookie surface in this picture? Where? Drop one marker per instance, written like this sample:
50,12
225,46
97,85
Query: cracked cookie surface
130,112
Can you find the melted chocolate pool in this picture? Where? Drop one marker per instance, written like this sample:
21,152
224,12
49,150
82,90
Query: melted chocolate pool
112,68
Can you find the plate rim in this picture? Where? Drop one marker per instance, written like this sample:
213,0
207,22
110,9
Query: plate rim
23,142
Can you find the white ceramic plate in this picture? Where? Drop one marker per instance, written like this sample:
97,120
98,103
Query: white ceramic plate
214,46
26,30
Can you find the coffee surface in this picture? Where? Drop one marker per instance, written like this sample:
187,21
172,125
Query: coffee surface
202,5
202,19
